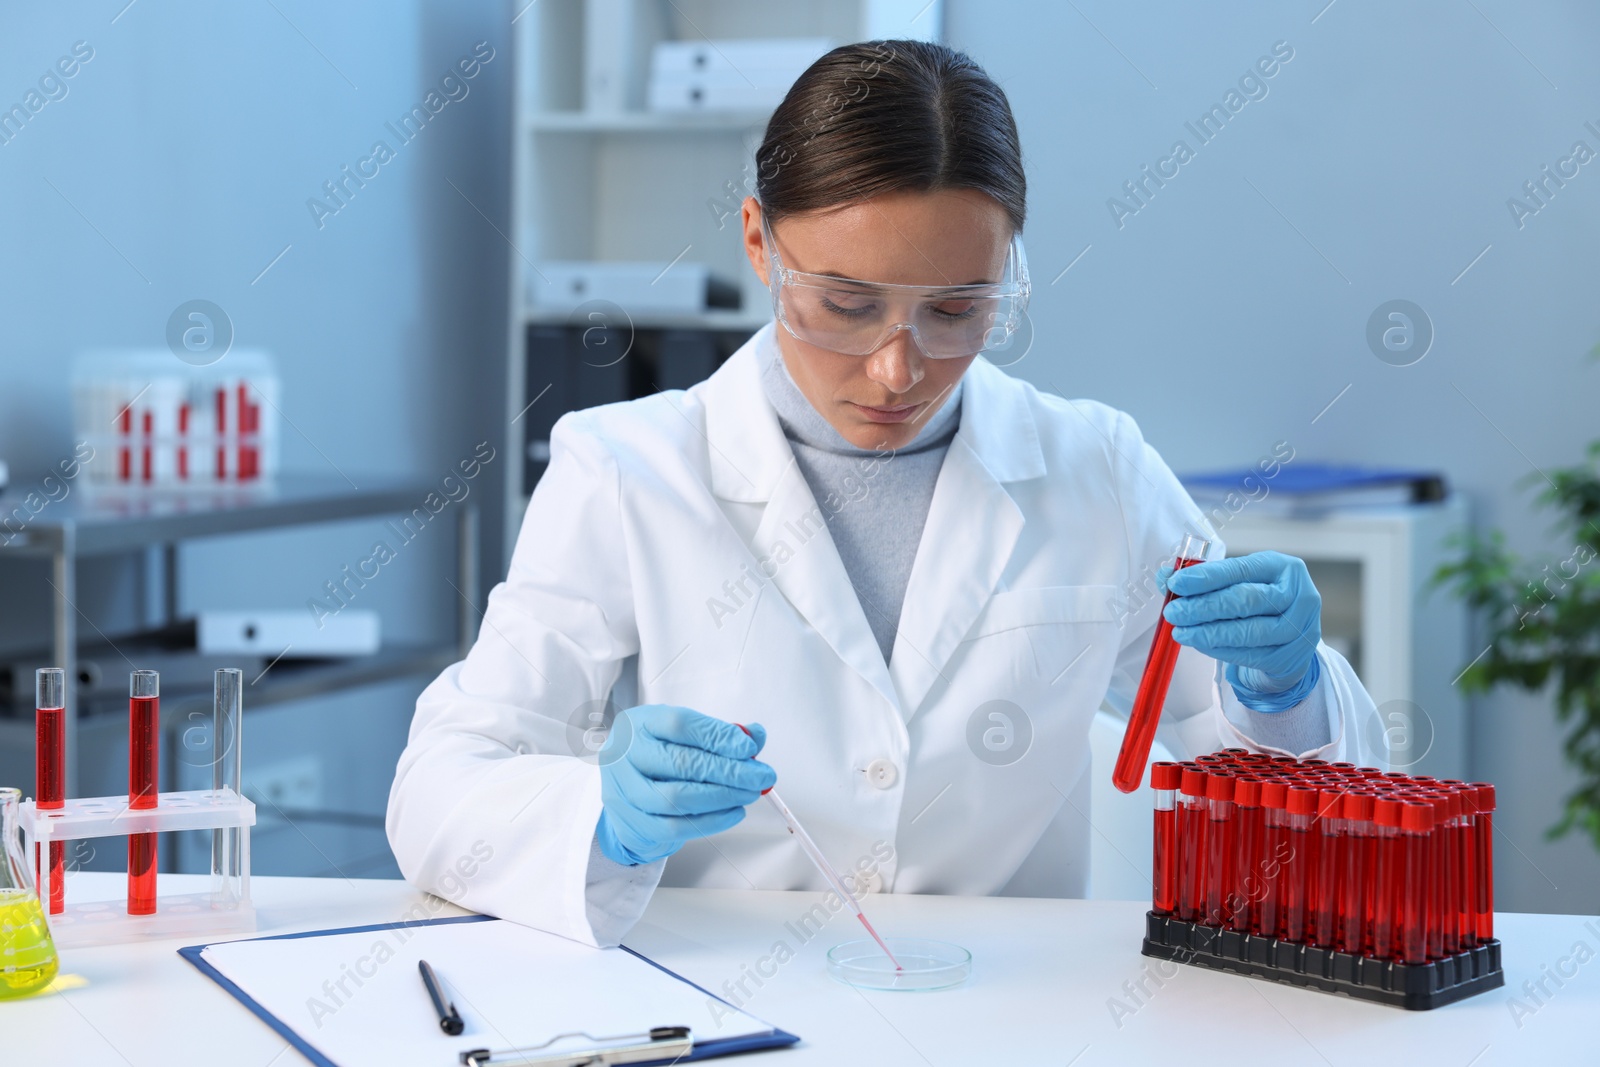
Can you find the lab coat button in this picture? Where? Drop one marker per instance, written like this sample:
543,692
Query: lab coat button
882,773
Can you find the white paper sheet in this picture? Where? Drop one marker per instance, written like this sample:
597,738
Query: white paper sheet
358,998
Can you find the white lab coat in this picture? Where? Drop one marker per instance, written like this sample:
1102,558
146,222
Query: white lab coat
673,550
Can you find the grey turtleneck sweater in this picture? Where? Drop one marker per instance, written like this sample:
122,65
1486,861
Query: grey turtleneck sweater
885,493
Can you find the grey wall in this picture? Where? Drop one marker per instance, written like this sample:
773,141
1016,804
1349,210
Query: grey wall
1231,309
177,166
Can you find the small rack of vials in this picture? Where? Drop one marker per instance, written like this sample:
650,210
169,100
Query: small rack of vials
51,820
1353,880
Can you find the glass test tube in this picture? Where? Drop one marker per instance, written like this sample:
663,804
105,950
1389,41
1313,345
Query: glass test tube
1193,814
1416,825
1460,831
1387,877
1483,860
1358,857
1152,694
1244,887
1165,777
49,783
1301,807
1443,937
1324,899
1219,847
227,756
144,747
1274,848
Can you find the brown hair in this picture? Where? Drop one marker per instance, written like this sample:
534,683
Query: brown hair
885,116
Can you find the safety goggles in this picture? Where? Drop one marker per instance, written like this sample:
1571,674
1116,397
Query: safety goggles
856,317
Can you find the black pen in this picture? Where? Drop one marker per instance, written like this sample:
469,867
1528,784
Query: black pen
449,1021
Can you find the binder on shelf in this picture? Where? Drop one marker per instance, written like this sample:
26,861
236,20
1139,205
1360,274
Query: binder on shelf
1314,487
353,995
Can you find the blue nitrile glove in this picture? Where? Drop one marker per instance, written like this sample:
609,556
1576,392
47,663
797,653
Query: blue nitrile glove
1260,614
668,775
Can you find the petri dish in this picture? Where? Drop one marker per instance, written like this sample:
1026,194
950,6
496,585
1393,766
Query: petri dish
926,965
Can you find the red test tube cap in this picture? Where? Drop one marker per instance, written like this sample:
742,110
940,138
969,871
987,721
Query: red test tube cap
1358,806
1330,801
1220,787
1274,794
1247,792
1165,775
1302,801
1194,782
1416,817
1386,812
1483,796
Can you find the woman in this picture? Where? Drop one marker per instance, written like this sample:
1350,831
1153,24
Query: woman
912,568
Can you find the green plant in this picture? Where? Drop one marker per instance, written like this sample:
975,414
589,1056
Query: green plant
1544,624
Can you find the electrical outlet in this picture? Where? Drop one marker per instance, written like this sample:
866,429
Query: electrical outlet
292,785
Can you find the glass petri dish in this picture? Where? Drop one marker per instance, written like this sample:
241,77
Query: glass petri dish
925,964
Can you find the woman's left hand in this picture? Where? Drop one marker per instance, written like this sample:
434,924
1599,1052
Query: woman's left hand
1259,613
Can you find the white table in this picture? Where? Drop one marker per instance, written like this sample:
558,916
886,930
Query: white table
1047,973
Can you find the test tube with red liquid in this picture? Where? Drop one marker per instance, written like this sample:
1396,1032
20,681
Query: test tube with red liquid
1152,694
50,748
1416,826
1324,901
144,747
1265,918
1360,846
1219,847
1483,860
1245,888
1193,814
1165,779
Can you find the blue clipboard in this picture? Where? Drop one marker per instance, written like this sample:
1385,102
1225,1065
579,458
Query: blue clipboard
718,1046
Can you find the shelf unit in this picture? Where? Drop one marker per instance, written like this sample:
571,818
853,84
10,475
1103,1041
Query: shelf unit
106,523
596,176
1407,644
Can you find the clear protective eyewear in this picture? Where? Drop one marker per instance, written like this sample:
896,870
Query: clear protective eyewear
856,317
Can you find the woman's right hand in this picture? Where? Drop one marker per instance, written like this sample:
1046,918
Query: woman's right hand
668,775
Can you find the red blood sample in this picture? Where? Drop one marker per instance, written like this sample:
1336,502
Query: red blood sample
49,786
1164,779
1193,815
144,746
1299,862
1323,901
1416,826
1483,860
1152,694
1242,888
1219,848
1274,848
1359,845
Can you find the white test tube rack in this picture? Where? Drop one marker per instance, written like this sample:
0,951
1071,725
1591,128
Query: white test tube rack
226,908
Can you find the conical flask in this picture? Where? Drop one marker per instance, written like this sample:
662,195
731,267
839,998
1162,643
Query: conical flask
27,952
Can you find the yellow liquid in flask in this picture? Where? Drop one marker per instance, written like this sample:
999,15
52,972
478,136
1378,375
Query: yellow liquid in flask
27,952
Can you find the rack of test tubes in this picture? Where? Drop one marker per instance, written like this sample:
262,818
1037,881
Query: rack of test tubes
1348,879
50,820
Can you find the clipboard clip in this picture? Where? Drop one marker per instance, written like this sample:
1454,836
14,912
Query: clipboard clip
661,1042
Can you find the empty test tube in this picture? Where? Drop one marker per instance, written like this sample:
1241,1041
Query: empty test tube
227,755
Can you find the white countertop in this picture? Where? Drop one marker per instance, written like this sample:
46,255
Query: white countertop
1047,977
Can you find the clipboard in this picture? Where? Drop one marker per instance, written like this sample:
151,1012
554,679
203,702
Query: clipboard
641,1050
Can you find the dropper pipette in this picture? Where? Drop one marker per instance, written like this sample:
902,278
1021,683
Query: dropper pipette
823,865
